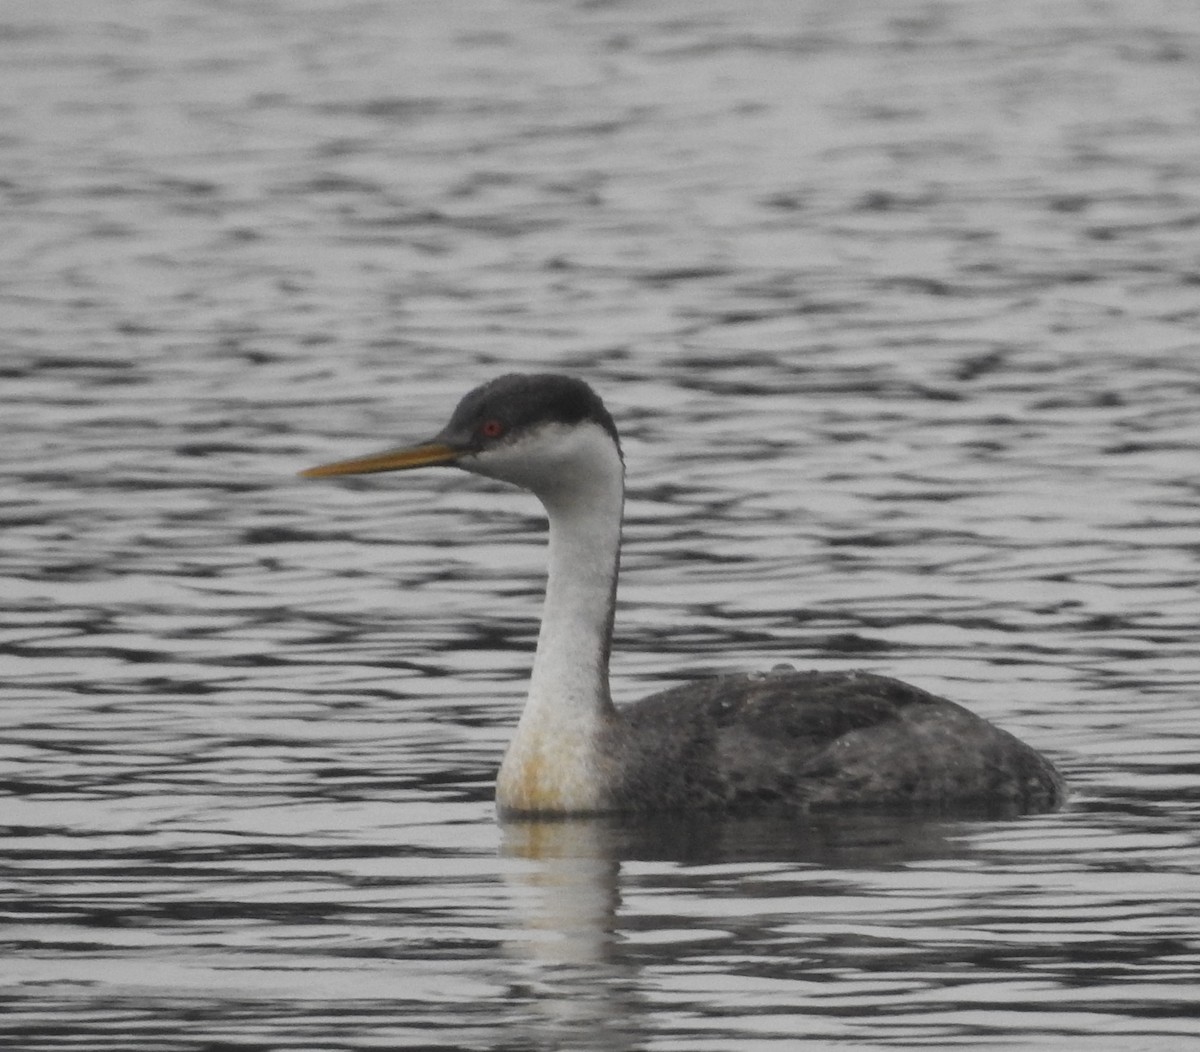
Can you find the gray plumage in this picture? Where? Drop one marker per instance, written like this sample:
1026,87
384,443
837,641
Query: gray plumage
812,741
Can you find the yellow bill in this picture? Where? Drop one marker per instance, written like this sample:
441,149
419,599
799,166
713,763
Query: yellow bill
394,460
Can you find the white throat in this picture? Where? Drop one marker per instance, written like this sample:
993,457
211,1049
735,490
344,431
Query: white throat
554,762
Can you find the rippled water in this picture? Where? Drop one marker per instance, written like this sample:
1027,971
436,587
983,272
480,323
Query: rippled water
897,306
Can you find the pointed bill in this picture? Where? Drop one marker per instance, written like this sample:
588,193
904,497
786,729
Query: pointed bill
393,460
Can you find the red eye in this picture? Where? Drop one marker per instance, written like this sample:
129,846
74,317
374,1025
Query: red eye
491,429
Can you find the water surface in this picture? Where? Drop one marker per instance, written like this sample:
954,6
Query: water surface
896,305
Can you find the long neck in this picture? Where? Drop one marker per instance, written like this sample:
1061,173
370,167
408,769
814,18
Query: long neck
570,671
554,763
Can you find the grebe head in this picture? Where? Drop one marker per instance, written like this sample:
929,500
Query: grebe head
540,431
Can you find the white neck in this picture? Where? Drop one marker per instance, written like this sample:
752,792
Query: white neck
570,669
554,761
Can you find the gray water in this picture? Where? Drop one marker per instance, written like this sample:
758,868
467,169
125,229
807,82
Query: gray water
897,305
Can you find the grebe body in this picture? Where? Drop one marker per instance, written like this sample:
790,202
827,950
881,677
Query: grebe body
801,741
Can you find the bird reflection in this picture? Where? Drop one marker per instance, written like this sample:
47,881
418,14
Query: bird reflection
582,972
565,896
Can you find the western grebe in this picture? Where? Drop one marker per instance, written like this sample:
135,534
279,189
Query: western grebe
782,739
